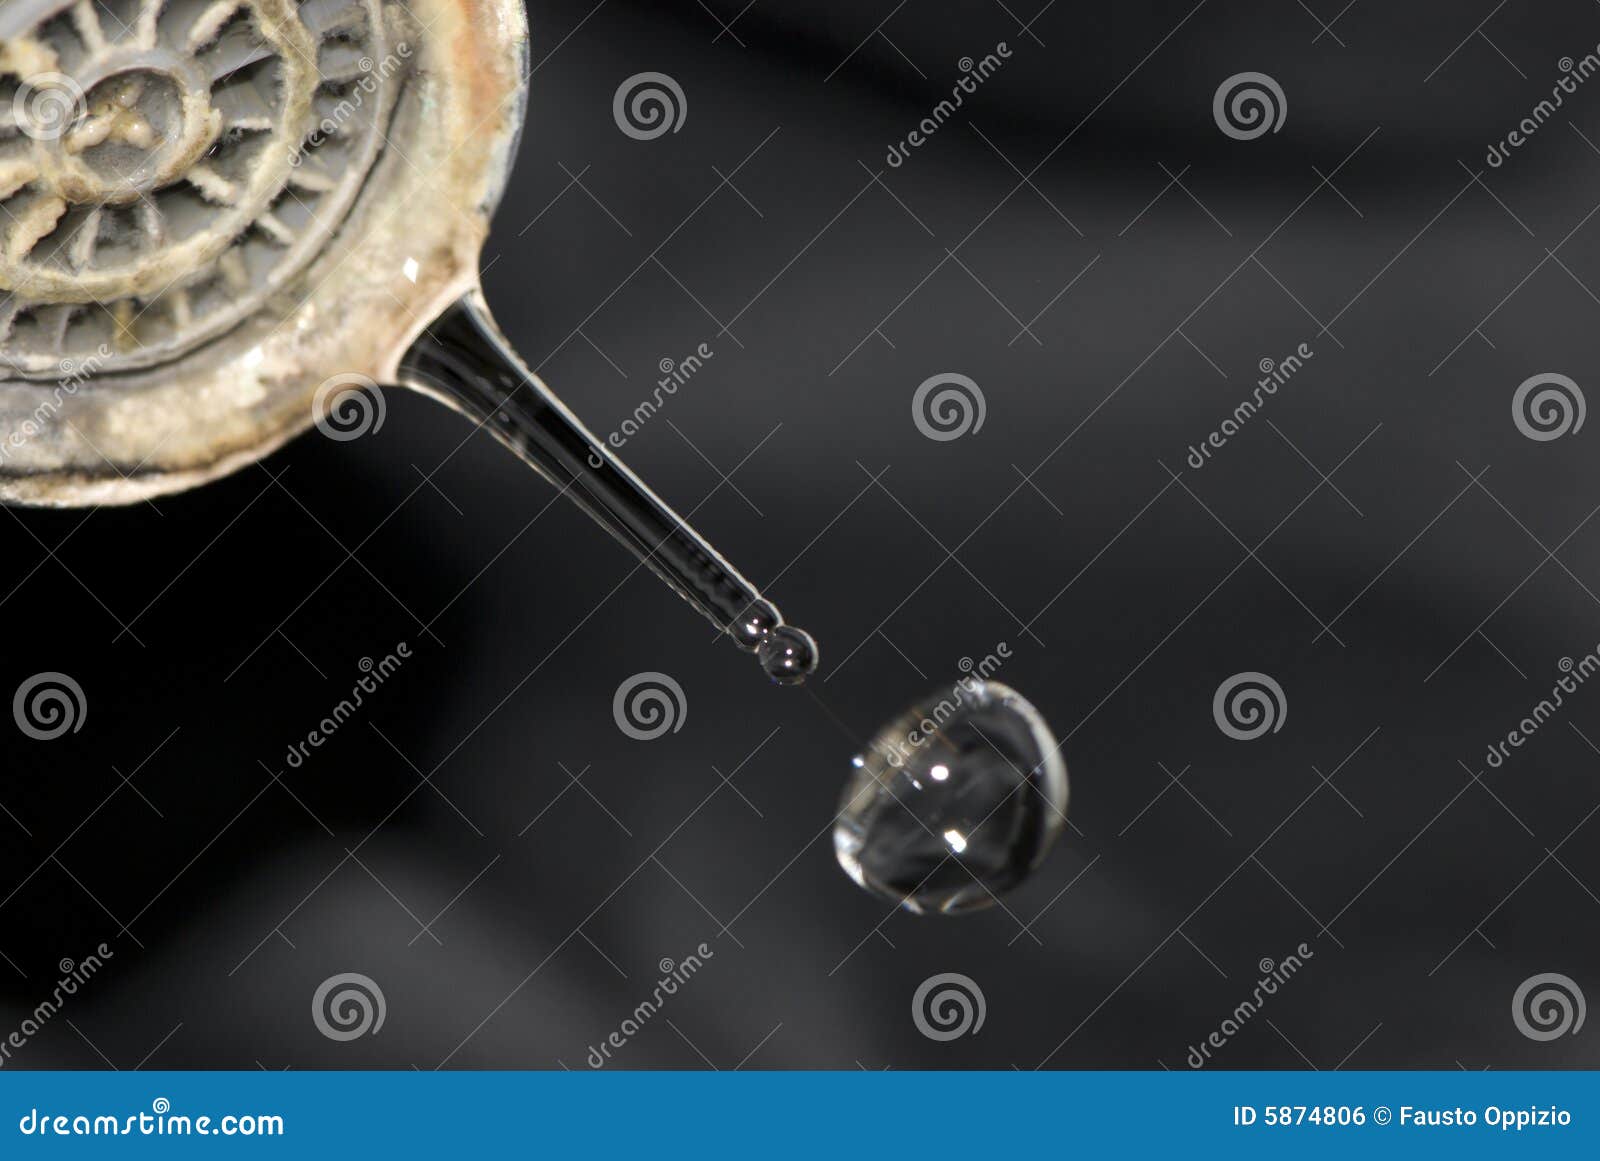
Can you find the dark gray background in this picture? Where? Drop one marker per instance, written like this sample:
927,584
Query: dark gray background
1386,496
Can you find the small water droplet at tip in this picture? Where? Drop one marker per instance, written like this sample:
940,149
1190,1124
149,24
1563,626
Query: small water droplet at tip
788,655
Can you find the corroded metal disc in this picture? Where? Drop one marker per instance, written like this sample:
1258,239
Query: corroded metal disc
210,207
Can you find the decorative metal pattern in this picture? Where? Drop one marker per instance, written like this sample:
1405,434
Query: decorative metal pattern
165,165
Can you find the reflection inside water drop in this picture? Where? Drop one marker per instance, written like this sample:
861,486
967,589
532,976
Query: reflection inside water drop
954,802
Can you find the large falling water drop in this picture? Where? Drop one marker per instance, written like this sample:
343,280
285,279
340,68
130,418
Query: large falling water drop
954,802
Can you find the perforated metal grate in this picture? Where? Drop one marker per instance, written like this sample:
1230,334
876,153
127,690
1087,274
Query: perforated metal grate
165,165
